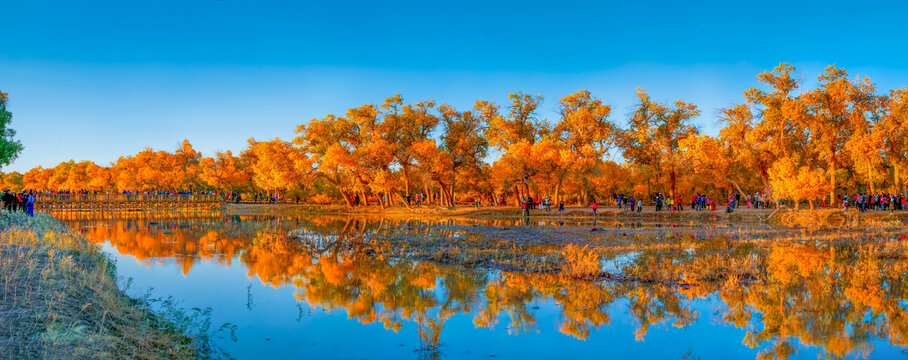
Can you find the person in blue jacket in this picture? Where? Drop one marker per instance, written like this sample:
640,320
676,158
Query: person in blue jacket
30,203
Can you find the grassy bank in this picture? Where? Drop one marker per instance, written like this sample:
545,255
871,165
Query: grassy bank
60,299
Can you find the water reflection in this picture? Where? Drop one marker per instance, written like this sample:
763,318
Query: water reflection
840,293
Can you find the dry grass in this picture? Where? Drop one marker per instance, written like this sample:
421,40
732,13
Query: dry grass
60,299
580,262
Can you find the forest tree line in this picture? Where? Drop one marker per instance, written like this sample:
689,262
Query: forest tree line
782,140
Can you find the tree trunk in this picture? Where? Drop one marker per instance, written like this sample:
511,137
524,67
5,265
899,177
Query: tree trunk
558,191
403,200
347,199
738,188
444,196
586,196
526,187
897,186
406,180
453,184
832,179
671,182
767,187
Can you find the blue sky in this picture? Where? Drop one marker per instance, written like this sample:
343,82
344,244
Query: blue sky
93,80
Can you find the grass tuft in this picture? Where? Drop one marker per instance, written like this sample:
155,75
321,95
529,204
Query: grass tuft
580,262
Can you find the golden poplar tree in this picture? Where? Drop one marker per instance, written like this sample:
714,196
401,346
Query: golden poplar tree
586,135
654,134
837,108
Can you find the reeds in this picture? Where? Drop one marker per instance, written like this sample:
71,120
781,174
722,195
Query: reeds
580,262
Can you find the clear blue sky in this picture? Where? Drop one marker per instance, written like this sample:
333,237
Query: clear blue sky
92,80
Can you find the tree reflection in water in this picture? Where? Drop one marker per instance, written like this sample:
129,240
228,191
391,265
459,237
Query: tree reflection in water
784,288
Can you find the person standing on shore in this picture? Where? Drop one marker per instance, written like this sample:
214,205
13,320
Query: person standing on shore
6,199
30,204
594,206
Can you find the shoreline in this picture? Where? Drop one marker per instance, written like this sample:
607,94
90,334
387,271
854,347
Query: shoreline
786,217
61,299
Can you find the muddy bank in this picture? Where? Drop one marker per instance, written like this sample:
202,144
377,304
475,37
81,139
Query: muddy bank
819,218
630,252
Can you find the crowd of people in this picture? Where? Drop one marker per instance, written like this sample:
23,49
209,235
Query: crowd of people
879,202
702,202
228,196
23,201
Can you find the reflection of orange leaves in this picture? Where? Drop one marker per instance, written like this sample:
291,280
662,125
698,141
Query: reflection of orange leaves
864,285
363,309
335,273
393,325
696,291
425,276
185,264
787,260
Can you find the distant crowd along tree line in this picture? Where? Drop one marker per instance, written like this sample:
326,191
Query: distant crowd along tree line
783,141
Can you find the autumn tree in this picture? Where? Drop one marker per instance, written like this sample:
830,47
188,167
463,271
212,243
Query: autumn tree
708,157
184,168
463,142
11,181
331,144
404,127
586,134
278,165
226,171
865,150
520,125
797,182
893,128
776,130
514,135
461,148
373,152
837,109
150,170
654,133
743,152
75,176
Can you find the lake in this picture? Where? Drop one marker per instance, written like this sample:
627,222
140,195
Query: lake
336,287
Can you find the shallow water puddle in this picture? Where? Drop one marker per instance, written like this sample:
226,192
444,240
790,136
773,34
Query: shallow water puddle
357,287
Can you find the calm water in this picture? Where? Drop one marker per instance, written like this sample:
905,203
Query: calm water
297,288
